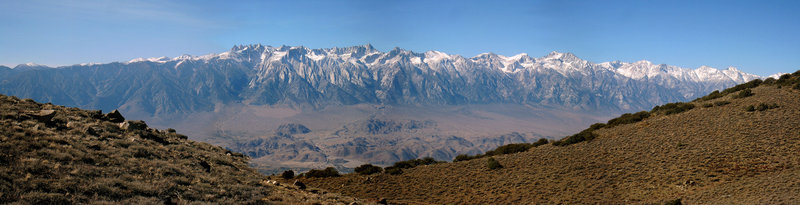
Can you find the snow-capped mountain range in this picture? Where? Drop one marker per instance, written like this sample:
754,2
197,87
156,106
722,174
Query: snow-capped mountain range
314,78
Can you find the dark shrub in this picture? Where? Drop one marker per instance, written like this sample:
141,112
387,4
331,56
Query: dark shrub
540,142
674,202
786,79
707,105
744,93
393,170
404,164
751,84
597,126
764,106
288,174
509,148
672,108
327,172
464,157
626,118
769,81
367,169
585,135
713,95
413,163
750,108
493,164
721,103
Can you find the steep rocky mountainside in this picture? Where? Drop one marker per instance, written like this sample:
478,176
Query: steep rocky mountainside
733,147
303,77
59,155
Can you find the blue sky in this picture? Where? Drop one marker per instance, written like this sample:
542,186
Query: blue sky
760,37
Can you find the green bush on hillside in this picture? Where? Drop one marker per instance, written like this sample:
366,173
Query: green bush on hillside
540,142
713,95
721,103
505,149
747,85
628,118
412,163
744,93
585,135
393,170
509,149
672,108
465,157
493,164
367,169
764,106
327,172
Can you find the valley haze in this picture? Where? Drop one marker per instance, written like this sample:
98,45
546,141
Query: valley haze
292,107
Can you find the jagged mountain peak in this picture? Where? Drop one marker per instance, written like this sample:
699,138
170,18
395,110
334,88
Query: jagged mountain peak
363,74
555,55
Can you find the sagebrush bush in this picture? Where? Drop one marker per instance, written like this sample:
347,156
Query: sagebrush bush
744,93
393,170
367,169
493,163
747,85
713,95
413,163
721,103
672,108
509,149
465,157
540,142
764,106
585,135
505,149
628,118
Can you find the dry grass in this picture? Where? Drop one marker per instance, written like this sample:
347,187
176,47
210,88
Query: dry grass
707,155
79,156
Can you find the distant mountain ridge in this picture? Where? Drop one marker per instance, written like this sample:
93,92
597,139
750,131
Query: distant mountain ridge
313,78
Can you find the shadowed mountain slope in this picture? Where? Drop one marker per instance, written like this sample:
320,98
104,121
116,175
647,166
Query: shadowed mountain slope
730,148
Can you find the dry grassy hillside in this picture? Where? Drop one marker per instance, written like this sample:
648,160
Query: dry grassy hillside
57,155
715,153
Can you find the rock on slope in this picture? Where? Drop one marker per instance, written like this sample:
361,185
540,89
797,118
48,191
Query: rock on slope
58,155
715,153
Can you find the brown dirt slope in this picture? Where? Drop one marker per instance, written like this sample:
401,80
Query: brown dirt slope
715,153
57,155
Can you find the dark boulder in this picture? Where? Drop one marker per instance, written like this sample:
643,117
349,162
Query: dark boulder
299,184
132,125
115,116
44,115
